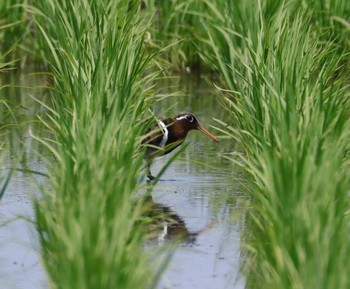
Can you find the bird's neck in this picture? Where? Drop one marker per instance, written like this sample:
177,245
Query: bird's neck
176,130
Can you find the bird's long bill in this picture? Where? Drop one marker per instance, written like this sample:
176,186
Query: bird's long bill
202,129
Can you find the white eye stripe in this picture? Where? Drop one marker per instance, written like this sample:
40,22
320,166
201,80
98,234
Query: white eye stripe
165,133
188,117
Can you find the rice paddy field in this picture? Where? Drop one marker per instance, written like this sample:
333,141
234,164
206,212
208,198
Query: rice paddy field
81,84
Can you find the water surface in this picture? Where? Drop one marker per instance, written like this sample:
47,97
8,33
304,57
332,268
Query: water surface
20,265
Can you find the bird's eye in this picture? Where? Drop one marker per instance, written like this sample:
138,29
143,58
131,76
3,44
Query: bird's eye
189,118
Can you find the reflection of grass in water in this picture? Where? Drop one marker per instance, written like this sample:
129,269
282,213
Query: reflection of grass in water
6,114
291,114
90,229
8,26
20,87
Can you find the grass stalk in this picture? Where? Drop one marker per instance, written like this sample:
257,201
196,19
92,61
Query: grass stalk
289,100
89,222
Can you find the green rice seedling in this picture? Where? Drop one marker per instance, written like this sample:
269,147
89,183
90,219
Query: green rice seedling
89,222
180,27
14,24
177,30
288,98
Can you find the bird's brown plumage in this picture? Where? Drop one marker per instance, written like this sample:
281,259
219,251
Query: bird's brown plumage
169,134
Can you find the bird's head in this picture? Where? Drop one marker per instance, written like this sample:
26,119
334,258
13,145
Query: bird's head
189,122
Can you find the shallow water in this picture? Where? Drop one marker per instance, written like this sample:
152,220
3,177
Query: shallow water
212,259
20,265
200,188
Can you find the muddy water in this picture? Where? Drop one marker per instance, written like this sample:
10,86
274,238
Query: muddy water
199,190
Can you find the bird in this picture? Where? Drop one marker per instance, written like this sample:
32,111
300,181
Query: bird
168,134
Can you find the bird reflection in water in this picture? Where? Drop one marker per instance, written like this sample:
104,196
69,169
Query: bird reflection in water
166,225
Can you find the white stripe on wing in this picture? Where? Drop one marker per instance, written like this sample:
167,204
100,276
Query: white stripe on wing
165,133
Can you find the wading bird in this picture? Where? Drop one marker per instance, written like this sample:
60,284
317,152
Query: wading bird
168,135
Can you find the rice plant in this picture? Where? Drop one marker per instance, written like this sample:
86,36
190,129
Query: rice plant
288,99
14,25
89,222
177,30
